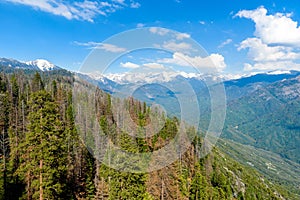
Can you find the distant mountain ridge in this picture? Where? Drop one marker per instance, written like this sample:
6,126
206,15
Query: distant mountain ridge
235,86
262,109
43,65
39,64
158,77
262,112
268,77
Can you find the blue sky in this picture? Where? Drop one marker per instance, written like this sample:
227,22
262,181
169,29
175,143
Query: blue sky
242,36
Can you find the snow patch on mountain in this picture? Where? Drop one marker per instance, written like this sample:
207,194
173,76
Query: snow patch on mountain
152,77
95,75
162,77
277,72
42,64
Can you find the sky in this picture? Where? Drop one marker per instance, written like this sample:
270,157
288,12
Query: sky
238,36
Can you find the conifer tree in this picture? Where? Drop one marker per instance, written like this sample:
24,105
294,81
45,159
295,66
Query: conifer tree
44,161
37,83
4,139
198,188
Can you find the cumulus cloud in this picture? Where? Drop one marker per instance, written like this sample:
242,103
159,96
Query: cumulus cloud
213,61
159,31
269,66
177,46
98,45
129,65
173,40
181,36
258,51
79,10
135,5
119,1
154,65
277,41
273,29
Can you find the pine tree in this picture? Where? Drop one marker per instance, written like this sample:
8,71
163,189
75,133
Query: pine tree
37,83
125,185
4,139
198,188
44,160
54,88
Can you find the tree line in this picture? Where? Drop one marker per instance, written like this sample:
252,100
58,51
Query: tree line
43,156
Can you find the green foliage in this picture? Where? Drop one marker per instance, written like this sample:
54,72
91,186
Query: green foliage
54,88
127,185
44,149
199,187
148,196
3,84
4,141
46,155
268,119
37,83
14,90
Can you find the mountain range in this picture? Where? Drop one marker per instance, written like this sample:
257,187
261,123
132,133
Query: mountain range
259,106
262,109
39,64
262,118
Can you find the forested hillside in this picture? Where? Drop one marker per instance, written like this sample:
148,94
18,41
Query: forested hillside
43,157
268,118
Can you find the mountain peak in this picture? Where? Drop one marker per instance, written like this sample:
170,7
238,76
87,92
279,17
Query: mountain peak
42,64
39,64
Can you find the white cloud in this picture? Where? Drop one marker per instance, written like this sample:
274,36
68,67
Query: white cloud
177,47
154,65
273,29
79,10
140,25
277,41
170,34
120,1
260,52
129,65
86,44
226,42
181,36
54,7
202,22
98,45
111,48
159,31
213,61
267,66
135,5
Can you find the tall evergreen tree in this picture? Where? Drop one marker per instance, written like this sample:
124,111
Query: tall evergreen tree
198,188
44,160
37,83
4,139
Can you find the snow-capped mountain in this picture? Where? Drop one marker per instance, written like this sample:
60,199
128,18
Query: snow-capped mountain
168,76
42,64
38,64
162,77
235,85
5,62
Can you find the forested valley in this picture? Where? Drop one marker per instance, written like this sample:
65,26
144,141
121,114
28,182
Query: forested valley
43,157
